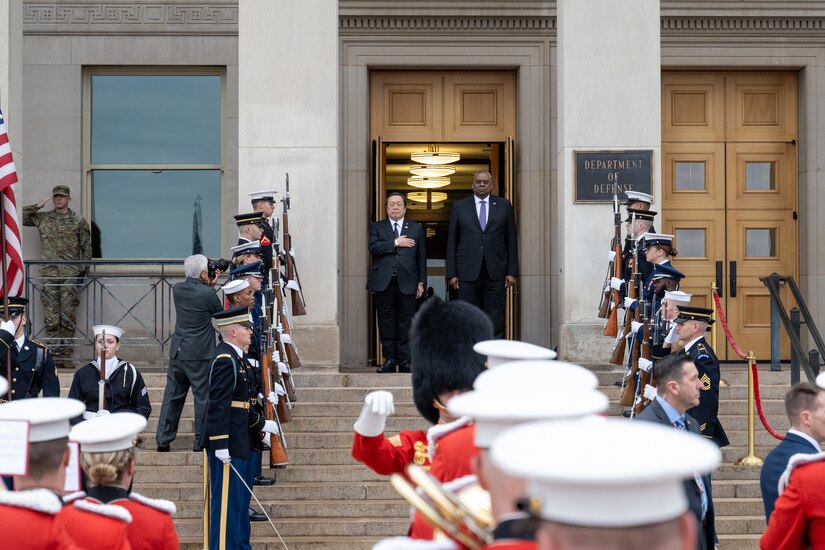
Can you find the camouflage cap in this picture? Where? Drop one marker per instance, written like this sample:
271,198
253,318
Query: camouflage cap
61,190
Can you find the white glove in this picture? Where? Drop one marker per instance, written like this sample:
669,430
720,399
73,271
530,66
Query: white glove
645,364
272,398
102,412
271,427
260,397
378,405
628,302
8,326
616,283
293,285
634,326
286,338
223,456
278,389
650,392
611,255
282,368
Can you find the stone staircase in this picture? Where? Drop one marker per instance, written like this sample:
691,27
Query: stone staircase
324,499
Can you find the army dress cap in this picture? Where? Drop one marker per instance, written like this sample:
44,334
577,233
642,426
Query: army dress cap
651,239
234,316
48,416
105,434
666,271
4,386
62,190
584,484
640,214
678,296
510,395
565,374
249,219
110,330
262,196
252,247
17,306
638,196
689,313
235,285
499,352
248,269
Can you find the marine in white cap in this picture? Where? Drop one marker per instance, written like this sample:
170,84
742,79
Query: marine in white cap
124,387
264,202
637,199
584,498
30,517
239,293
669,312
108,451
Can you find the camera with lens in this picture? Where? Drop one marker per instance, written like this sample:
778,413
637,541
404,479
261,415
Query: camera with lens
213,266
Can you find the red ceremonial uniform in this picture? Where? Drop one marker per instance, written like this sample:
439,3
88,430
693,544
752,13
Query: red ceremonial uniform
387,456
152,527
512,544
96,526
31,519
798,521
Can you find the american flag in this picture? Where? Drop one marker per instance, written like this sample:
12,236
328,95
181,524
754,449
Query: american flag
11,227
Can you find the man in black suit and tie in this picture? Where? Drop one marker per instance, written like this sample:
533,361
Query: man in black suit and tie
191,348
397,277
482,249
805,405
678,390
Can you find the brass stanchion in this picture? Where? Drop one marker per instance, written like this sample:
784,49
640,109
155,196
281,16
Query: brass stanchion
206,503
722,382
750,459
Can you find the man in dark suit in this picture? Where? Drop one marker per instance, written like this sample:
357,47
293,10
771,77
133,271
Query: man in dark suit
679,388
482,249
805,405
31,362
190,352
691,325
397,277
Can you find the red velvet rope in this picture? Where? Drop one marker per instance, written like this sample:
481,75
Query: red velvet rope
757,397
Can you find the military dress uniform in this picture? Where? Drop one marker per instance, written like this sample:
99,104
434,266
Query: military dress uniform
31,519
124,387
95,526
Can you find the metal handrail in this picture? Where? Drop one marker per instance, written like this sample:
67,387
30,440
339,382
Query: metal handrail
114,292
773,283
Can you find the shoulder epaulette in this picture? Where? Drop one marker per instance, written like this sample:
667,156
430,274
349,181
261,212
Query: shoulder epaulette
798,459
157,503
68,499
39,344
39,500
107,510
440,430
223,355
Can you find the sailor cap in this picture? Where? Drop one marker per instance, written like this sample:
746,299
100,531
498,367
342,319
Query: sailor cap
678,296
235,285
113,432
110,330
48,416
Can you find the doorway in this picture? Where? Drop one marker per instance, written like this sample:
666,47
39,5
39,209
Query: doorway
729,186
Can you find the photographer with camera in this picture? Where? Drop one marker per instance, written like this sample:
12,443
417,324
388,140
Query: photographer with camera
192,345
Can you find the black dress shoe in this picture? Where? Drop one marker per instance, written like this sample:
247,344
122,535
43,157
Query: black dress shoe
404,367
389,366
256,516
163,447
264,481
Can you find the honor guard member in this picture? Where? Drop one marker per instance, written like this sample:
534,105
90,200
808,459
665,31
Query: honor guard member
584,498
249,227
225,434
691,325
30,517
264,202
669,311
246,253
638,200
107,456
638,222
124,387
797,518
666,278
32,363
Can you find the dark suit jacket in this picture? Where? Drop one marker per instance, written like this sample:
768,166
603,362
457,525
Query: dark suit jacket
775,464
194,337
467,244
707,411
707,537
410,263
31,377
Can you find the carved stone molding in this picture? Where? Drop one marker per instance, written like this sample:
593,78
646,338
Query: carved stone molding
377,23
119,17
743,24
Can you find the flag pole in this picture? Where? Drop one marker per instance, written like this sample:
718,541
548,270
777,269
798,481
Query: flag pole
5,285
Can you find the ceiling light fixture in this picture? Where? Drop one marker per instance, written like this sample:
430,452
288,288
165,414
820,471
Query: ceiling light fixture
434,156
433,171
423,182
421,196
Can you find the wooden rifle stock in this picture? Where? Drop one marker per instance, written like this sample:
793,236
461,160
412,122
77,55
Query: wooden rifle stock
101,388
645,378
298,307
629,390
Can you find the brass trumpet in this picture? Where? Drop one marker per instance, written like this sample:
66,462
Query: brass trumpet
463,515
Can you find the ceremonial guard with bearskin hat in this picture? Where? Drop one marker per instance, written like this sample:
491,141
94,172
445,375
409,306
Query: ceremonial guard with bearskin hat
32,363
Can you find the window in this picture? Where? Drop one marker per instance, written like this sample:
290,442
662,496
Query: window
690,176
154,162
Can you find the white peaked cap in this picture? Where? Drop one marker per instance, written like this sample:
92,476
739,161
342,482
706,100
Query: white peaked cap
639,196
504,351
4,386
258,195
234,286
110,330
516,393
678,296
113,432
48,416
585,484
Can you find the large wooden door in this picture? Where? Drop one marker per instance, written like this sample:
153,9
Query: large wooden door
730,191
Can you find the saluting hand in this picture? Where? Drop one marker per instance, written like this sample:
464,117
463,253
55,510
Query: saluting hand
43,201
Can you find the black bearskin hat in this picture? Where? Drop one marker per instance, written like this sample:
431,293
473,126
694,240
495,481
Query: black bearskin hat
441,350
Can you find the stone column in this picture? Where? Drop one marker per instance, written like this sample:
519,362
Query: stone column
288,122
609,97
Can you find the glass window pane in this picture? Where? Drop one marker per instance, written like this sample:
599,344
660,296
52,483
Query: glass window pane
761,243
759,176
690,176
690,243
145,214
156,119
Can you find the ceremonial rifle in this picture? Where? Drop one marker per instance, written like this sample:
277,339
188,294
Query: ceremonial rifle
277,445
612,329
629,388
640,401
298,303
275,335
621,341
101,385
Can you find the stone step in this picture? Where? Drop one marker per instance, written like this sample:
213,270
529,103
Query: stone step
312,509
300,527
742,525
354,473
298,543
739,542
282,491
733,488
738,506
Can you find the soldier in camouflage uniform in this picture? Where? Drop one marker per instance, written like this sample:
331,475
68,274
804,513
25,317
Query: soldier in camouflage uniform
64,235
